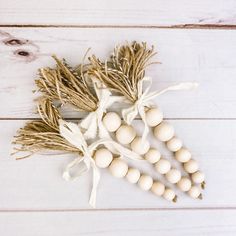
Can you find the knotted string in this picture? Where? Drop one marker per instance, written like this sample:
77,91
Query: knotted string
145,100
72,133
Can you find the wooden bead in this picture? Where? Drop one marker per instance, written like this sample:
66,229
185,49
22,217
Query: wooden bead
194,192
103,157
173,176
198,177
111,121
145,182
174,144
191,166
184,184
153,155
163,166
158,188
164,131
154,117
125,134
118,168
183,155
169,194
139,146
133,175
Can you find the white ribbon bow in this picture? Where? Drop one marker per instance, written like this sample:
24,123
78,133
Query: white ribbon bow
92,123
144,100
72,133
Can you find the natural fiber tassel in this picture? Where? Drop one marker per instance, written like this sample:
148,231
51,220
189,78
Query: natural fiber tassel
67,86
125,68
42,135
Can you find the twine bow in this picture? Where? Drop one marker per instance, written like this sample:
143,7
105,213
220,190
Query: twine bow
92,123
145,100
72,133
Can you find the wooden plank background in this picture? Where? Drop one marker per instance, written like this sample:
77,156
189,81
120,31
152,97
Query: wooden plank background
120,13
195,41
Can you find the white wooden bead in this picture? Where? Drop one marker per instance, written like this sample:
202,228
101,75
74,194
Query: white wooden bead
164,131
125,134
158,188
139,146
118,168
198,177
154,117
153,155
184,184
103,157
145,182
191,166
133,175
163,166
174,144
173,176
183,155
111,121
169,194
194,192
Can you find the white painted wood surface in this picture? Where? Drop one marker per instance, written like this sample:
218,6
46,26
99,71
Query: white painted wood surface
34,200
40,185
122,12
186,55
118,223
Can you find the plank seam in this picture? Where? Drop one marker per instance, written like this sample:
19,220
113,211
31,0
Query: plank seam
73,118
117,209
180,26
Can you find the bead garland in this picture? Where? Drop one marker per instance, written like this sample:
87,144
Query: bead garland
120,169
126,134
165,133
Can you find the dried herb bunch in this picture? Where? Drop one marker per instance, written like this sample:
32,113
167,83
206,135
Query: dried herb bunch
67,85
125,68
43,134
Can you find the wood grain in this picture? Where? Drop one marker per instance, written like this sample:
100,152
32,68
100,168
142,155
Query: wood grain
36,183
203,56
35,201
119,13
125,223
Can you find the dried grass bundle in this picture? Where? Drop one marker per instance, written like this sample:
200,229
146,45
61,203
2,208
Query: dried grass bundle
67,85
44,134
124,69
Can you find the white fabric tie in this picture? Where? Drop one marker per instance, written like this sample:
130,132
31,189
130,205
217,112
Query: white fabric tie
145,100
92,123
72,133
